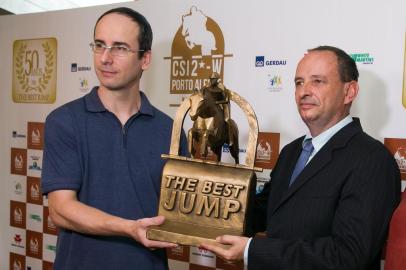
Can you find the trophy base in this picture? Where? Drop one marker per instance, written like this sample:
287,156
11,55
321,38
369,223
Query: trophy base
188,234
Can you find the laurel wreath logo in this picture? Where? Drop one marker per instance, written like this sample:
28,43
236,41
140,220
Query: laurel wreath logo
22,79
46,75
49,62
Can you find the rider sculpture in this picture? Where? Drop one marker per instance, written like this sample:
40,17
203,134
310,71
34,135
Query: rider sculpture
212,127
221,95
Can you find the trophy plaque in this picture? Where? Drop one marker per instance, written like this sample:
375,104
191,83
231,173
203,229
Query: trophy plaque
201,198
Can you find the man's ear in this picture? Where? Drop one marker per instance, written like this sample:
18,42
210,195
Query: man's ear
351,91
146,60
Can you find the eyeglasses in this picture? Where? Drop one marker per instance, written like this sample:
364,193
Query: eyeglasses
115,50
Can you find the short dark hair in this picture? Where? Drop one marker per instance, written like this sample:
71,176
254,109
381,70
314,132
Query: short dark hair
347,68
145,34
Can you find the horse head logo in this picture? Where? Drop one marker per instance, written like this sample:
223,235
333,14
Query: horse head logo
196,33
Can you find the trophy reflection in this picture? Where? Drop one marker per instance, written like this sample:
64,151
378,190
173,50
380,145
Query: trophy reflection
202,197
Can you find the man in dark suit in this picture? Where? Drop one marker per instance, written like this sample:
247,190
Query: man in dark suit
332,192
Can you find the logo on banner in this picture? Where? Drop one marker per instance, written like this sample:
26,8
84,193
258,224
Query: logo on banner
34,195
18,189
83,85
48,225
202,257
35,160
198,50
17,214
179,253
75,68
17,262
18,161
35,135
34,244
35,217
267,150
34,70
274,83
17,265
51,248
400,156
261,181
398,148
17,241
34,192
260,61
15,134
226,149
363,58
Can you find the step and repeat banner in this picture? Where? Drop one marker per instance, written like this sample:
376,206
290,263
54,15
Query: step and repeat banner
46,61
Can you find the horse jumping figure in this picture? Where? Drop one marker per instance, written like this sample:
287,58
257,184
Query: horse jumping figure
209,127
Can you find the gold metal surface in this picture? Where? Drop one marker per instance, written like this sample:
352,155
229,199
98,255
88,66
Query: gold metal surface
245,107
202,199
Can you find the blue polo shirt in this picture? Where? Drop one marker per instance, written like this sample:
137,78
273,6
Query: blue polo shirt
113,168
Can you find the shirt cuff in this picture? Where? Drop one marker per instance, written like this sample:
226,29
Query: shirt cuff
246,253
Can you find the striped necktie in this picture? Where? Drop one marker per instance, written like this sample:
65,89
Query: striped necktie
303,158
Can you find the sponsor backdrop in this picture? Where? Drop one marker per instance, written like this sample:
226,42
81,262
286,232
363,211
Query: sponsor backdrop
254,46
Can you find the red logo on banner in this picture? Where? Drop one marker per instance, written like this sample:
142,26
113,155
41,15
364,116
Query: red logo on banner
34,194
398,148
267,150
18,162
34,244
17,214
17,262
48,225
35,135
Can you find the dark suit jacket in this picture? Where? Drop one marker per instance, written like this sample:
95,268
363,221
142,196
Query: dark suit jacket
336,214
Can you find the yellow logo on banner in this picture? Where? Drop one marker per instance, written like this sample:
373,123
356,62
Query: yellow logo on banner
34,70
404,77
197,52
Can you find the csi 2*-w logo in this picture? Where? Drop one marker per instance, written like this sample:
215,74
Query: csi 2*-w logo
198,50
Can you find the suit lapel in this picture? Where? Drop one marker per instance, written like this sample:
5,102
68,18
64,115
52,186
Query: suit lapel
322,158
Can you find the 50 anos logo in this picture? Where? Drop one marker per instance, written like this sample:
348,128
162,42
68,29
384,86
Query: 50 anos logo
34,70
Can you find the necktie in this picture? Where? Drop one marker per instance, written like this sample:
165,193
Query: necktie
303,158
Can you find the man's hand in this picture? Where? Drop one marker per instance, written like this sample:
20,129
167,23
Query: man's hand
138,231
236,250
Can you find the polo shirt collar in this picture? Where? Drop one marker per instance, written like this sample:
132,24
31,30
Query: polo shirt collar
94,104
146,107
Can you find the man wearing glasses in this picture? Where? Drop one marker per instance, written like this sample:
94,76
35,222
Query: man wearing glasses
102,160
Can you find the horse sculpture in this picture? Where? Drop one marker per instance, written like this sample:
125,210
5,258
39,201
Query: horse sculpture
209,127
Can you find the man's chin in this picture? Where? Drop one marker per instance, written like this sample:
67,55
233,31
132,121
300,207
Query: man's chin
113,87
307,117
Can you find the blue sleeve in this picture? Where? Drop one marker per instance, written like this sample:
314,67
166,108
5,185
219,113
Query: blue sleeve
61,165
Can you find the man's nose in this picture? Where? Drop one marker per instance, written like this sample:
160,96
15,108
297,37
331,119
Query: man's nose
306,89
106,56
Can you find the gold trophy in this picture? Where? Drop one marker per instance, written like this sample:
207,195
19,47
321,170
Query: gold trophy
202,198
